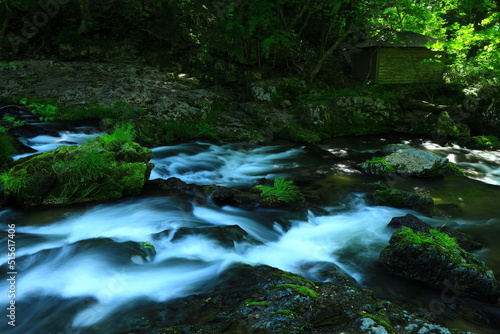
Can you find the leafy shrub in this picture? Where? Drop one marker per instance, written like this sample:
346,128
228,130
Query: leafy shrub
282,191
44,111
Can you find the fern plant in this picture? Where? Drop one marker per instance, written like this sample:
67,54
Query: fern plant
283,191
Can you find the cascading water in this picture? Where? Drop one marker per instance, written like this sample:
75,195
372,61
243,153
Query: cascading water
77,266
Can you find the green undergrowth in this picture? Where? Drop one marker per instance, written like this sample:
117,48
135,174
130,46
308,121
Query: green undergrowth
487,141
282,191
48,110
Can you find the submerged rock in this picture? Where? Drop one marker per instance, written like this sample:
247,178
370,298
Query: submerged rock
101,169
438,261
226,236
408,161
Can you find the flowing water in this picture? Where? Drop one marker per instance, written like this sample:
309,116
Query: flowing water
78,266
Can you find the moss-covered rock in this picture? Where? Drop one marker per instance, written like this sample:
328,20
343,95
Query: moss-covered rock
408,161
383,195
101,169
436,259
263,299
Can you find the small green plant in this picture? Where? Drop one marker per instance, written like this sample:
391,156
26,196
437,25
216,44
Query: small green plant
122,133
283,191
300,289
44,111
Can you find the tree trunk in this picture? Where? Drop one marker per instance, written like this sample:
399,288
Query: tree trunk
328,53
85,16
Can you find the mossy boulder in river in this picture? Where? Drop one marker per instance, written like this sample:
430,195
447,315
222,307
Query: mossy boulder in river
437,260
262,299
104,168
408,161
383,195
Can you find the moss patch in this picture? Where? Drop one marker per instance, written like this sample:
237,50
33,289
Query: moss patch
300,289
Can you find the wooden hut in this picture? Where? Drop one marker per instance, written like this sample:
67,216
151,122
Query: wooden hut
398,58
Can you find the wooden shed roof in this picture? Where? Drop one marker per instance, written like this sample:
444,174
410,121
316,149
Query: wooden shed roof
399,39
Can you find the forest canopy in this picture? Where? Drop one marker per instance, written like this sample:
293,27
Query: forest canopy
296,35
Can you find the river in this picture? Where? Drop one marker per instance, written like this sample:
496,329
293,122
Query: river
79,266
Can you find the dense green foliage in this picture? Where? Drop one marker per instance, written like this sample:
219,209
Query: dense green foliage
286,34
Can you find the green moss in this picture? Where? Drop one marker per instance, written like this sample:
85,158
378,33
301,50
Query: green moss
147,245
283,191
283,312
456,170
261,303
444,238
381,322
295,277
303,290
106,167
6,149
381,164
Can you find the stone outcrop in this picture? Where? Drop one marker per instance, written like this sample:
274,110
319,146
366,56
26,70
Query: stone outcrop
437,260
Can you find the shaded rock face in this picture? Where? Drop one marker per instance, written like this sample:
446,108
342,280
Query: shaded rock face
263,299
98,170
408,161
437,262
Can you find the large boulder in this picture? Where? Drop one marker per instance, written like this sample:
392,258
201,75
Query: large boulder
437,260
408,161
263,299
101,169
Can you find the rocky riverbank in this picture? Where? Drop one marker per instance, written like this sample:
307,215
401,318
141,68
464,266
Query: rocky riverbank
166,104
